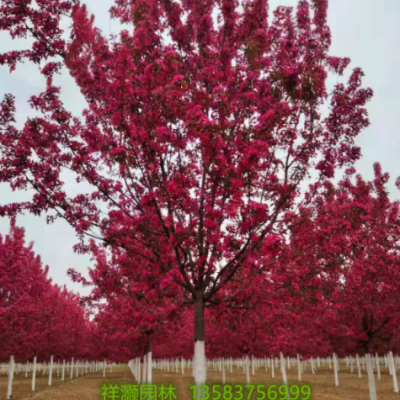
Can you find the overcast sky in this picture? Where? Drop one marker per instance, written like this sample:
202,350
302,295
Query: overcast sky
367,31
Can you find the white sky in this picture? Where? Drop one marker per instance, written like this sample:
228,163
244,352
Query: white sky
367,31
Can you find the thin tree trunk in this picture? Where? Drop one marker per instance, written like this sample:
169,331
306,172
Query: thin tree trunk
10,377
394,376
34,374
371,378
199,345
247,367
63,372
335,367
284,376
378,367
298,367
50,372
358,366
149,367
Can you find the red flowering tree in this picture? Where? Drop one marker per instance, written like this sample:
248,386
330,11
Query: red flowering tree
22,280
341,268
362,308
131,304
198,147
37,318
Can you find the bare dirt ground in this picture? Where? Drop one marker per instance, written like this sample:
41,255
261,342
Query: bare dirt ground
88,387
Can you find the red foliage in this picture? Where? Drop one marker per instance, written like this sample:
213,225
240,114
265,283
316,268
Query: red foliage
199,152
37,318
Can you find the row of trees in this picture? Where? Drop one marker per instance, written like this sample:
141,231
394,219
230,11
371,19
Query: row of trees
342,294
38,318
335,289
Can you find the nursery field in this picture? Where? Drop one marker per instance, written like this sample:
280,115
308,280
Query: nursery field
88,387
204,158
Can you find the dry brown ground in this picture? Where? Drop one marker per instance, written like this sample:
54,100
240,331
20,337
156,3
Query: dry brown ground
88,387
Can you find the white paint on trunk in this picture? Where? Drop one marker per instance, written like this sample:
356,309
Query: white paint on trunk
145,369
335,367
50,372
223,372
298,367
34,374
10,377
199,363
149,368
284,377
358,366
63,372
247,368
371,378
378,367
394,375
273,369
71,367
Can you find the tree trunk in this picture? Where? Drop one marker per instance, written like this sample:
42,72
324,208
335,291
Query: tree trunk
63,372
34,374
284,376
371,378
149,363
199,346
145,369
394,375
358,366
298,368
378,367
247,361
10,377
336,369
50,372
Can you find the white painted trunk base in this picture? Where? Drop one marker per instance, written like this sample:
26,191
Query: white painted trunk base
284,376
247,368
34,374
378,367
10,377
149,368
335,366
63,372
394,376
298,368
199,363
371,378
50,372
